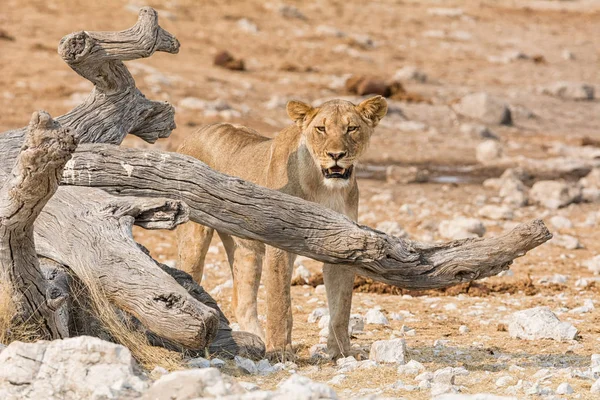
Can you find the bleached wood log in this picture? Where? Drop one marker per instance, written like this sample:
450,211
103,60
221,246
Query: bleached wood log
90,231
23,194
243,209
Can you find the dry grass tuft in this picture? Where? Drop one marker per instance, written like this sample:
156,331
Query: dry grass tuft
11,328
122,329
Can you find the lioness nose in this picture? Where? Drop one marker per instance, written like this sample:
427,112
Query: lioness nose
337,156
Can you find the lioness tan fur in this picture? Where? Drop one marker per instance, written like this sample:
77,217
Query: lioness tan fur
312,159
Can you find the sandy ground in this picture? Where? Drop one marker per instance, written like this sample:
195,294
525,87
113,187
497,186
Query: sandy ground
454,51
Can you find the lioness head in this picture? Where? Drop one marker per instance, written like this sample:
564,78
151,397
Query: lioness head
337,133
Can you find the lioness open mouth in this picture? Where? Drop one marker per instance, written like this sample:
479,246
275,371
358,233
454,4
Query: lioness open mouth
337,172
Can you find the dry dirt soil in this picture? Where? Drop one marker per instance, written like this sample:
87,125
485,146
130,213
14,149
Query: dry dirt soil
308,57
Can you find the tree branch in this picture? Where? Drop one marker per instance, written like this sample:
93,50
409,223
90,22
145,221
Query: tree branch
33,181
243,209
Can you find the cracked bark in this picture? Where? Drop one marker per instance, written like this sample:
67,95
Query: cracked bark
31,183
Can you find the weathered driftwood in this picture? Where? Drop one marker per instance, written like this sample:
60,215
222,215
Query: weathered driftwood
33,181
90,232
227,343
243,209
115,107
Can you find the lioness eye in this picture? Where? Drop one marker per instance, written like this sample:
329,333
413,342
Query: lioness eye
352,128
321,129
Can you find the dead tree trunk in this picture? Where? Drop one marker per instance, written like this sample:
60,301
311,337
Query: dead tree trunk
90,231
33,181
243,209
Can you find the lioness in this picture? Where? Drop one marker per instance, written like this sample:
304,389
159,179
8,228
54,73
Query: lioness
312,159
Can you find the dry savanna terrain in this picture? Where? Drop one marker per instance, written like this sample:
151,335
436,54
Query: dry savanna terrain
463,67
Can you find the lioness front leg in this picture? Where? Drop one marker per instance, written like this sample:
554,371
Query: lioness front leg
339,282
278,266
193,241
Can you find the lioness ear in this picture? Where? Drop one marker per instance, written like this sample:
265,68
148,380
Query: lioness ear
373,109
297,111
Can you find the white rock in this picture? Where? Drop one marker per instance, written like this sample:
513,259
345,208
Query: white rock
564,388
463,329
412,367
488,151
264,367
596,387
247,26
337,379
560,222
376,317
199,362
301,387
157,372
356,324
410,73
391,228
557,279
217,363
438,389
570,90
81,368
593,264
320,289
496,212
553,194
588,306
347,363
289,11
325,30
478,131
324,321
539,323
301,272
388,351
249,386
567,55
425,376
193,383
424,385
445,12
504,381
513,192
566,241
461,228
484,107
246,365
447,375
595,365
317,313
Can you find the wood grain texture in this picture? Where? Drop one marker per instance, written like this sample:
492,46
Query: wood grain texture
23,194
243,209
90,231
115,107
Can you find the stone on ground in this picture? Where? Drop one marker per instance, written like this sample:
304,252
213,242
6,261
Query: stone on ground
539,323
461,228
388,351
246,365
553,194
376,317
488,151
570,90
485,108
491,211
77,368
193,383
